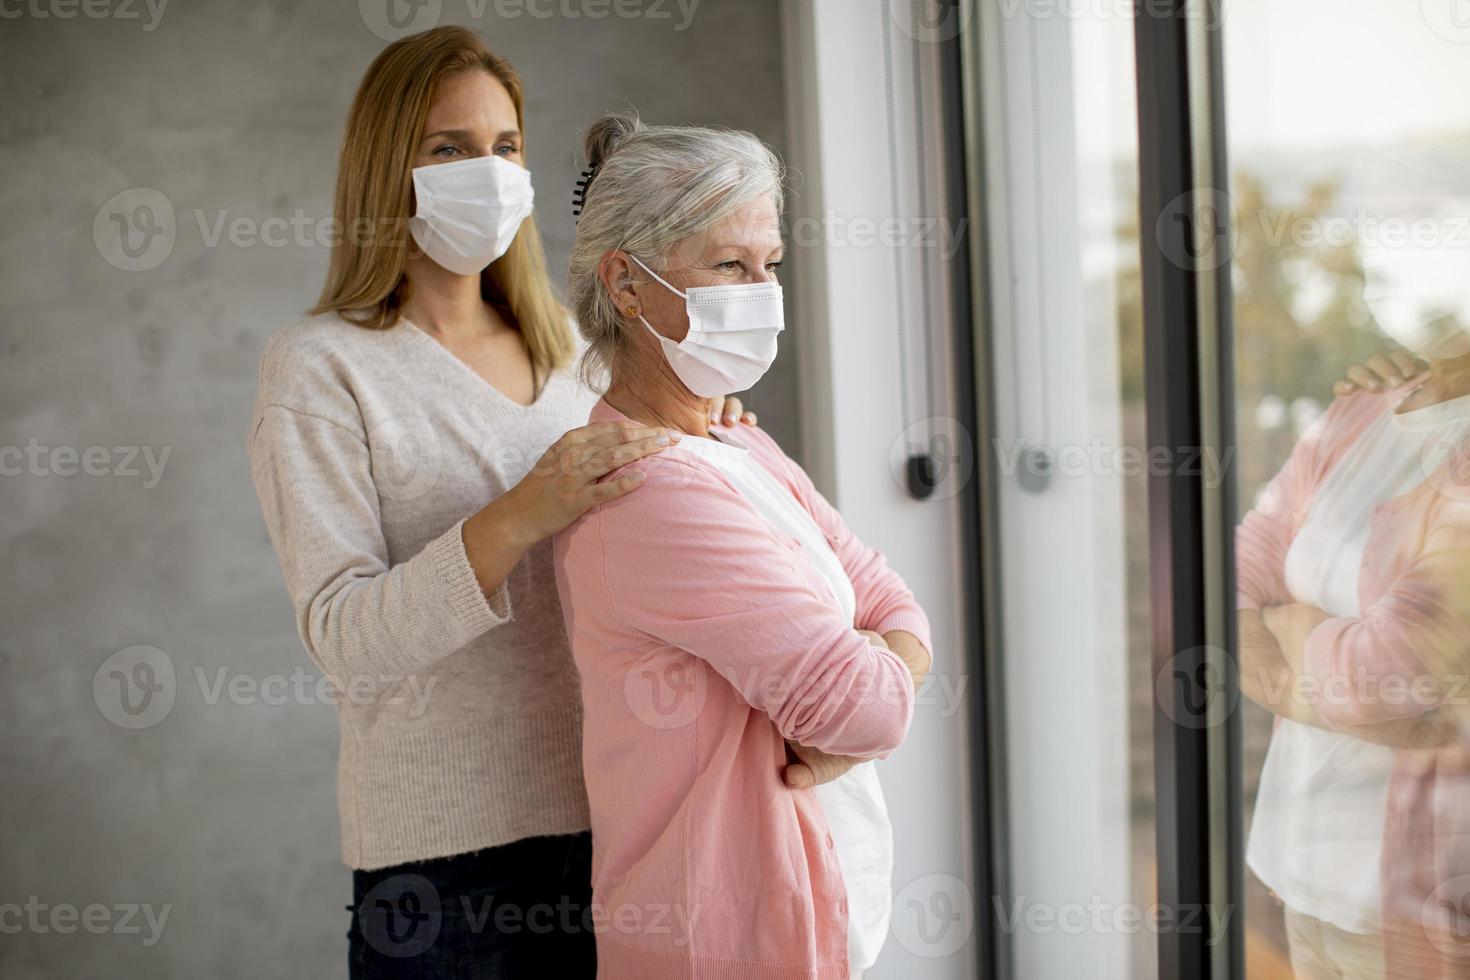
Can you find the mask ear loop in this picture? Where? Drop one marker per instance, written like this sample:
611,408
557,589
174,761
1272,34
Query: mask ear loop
661,279
665,283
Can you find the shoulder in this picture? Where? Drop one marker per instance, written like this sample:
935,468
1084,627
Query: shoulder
324,339
315,365
675,481
326,331
769,453
1364,406
684,522
679,492
758,441
1347,417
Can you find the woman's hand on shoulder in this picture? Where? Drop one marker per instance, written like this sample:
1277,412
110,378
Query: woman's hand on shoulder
564,483
1387,370
728,411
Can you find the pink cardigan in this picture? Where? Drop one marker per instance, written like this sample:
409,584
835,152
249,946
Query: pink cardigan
1414,590
704,639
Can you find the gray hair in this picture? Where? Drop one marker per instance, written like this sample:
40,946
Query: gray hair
655,186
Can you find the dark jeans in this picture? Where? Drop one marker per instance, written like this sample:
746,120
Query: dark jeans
519,910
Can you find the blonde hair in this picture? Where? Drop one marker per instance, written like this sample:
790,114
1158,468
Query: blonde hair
653,187
365,282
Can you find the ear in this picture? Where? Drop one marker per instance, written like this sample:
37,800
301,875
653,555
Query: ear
617,274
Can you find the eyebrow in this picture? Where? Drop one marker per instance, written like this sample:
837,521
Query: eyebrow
465,136
779,249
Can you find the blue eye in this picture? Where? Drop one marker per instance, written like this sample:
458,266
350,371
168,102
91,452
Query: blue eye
507,149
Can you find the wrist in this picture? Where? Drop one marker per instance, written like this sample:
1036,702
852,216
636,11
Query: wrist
912,651
501,521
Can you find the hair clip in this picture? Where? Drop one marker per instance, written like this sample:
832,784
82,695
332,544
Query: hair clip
579,196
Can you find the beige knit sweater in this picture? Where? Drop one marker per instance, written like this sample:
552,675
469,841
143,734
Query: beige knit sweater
460,717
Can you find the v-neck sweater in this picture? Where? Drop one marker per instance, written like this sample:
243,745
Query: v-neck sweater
459,713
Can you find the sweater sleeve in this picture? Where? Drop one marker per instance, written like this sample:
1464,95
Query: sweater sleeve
884,601
1264,535
687,561
1407,653
357,616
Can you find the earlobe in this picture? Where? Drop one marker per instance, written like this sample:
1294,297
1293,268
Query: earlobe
625,298
615,279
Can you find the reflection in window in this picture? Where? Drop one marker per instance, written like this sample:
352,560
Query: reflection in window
1350,192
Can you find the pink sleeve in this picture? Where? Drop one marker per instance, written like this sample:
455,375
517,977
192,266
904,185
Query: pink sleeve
884,602
1263,537
1407,653
687,561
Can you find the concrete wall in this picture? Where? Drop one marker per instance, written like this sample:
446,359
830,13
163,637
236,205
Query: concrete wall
222,810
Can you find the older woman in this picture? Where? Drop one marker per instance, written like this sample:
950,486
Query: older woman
724,615
1354,578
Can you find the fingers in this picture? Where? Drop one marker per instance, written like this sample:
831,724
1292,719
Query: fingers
828,767
729,412
1386,370
725,410
810,767
800,776
596,450
1380,370
609,434
604,461
1407,363
612,489
1361,376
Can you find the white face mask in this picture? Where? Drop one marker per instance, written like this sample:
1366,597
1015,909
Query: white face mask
468,212
732,335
